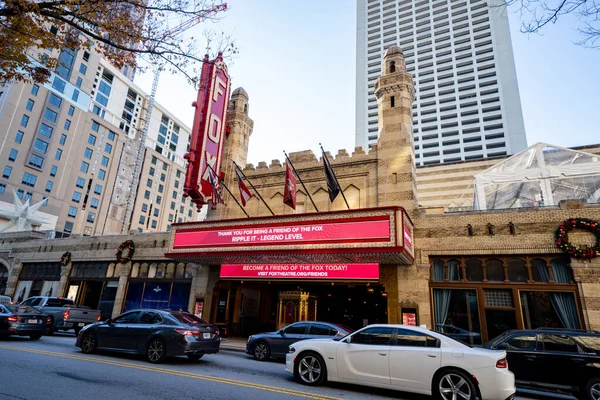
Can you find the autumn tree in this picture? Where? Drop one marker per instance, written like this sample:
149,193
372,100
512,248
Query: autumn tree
33,33
536,14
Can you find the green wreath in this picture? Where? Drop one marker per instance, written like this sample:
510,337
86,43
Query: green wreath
562,238
130,247
65,259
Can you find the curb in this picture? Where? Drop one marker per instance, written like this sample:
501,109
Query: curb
233,348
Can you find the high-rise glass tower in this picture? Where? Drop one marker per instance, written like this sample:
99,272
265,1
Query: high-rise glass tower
459,52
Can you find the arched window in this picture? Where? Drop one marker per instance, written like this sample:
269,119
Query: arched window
454,274
437,271
392,67
560,270
517,271
246,109
473,270
494,270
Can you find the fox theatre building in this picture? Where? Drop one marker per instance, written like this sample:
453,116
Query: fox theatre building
268,272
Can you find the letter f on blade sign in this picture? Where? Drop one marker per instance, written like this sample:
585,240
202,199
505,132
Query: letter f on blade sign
219,86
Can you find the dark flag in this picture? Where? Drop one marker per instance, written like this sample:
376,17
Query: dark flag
289,192
333,186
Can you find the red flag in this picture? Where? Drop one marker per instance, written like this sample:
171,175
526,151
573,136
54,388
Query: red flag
244,192
289,192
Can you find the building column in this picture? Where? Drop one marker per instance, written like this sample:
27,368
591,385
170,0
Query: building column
212,279
13,279
199,287
65,272
587,277
124,271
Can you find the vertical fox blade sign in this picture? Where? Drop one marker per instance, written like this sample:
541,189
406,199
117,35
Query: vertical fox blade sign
208,131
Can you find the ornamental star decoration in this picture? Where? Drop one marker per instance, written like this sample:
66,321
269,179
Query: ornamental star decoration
23,216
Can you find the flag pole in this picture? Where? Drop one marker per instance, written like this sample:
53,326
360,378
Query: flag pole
300,179
336,179
258,194
228,191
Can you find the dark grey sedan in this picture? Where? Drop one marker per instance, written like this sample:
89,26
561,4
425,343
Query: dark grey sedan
275,344
156,334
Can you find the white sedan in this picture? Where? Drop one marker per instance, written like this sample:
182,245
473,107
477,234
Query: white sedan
405,358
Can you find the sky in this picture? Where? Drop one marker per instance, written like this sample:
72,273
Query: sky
297,62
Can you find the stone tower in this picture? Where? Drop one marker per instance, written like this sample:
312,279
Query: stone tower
240,127
396,168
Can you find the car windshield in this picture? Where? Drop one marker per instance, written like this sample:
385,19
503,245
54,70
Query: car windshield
15,309
188,319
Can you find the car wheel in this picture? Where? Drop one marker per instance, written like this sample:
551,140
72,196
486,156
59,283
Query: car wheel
156,351
591,390
454,384
195,357
261,351
35,337
310,369
88,343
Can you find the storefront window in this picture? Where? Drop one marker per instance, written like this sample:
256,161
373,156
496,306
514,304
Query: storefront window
549,310
134,295
456,314
180,296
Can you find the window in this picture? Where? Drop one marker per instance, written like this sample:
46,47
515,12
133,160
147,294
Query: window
35,89
101,174
29,179
86,56
158,199
296,329
88,153
45,130
127,318
67,124
49,185
104,161
524,342
559,343
75,96
63,139
161,188
150,318
24,120
82,68
53,170
95,126
35,161
20,193
176,184
174,194
149,182
373,336
72,212
147,195
58,154
79,82
68,227
91,217
76,197
7,172
108,148
84,167
172,205
142,219
156,211
71,111
153,160
95,203
163,177
50,115
40,146
151,171
29,105
80,183
323,330
178,174
111,135
13,155
414,339
154,223
55,100
19,137
2,188
98,189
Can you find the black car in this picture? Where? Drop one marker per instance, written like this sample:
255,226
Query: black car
156,334
553,360
18,320
275,344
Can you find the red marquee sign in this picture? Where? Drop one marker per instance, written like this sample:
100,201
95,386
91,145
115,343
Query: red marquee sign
301,271
208,130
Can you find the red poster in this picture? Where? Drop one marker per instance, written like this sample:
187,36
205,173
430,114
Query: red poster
409,319
301,271
285,235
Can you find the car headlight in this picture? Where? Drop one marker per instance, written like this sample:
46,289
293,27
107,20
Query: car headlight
250,338
291,349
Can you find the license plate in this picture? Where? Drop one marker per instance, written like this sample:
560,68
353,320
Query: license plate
81,324
32,321
206,335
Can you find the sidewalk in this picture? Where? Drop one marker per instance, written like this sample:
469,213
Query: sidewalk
233,344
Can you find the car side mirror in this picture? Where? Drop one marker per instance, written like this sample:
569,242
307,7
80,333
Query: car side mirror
109,321
348,339
282,333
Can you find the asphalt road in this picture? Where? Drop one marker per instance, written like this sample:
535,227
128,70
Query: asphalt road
53,368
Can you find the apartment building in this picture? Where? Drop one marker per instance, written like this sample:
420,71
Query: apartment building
459,52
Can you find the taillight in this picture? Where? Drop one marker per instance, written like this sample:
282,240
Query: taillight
13,319
99,317
216,332
48,319
502,363
187,332
66,313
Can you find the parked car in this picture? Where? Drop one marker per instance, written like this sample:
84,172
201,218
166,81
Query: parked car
156,334
275,344
23,321
459,334
405,358
553,360
65,314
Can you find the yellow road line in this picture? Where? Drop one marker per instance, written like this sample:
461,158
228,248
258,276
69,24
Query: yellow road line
215,379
